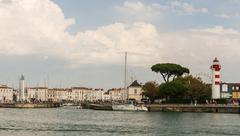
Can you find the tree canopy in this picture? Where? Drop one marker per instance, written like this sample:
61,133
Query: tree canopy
150,89
197,88
169,70
173,89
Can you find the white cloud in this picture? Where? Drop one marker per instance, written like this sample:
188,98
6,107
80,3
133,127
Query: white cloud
139,11
134,11
186,8
228,16
38,27
219,30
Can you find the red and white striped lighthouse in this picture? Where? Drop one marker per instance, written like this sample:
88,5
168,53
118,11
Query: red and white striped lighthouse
216,81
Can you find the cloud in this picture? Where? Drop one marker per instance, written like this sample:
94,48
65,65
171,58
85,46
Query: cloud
219,30
228,16
31,27
134,11
138,11
183,7
38,27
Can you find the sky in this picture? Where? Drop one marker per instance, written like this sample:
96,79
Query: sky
65,43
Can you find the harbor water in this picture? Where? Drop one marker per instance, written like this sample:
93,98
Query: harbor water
81,122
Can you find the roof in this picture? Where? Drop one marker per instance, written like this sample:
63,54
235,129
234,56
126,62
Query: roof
81,88
215,60
37,88
135,84
224,83
22,77
5,87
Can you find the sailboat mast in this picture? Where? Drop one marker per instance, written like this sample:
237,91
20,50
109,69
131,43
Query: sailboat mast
125,75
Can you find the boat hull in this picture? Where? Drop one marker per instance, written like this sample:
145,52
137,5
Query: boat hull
129,107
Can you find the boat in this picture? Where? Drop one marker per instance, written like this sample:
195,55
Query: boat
79,107
68,104
129,107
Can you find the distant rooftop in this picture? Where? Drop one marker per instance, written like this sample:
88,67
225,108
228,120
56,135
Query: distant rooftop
22,77
215,60
135,84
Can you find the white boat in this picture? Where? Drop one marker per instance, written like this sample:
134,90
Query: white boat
79,107
68,104
129,107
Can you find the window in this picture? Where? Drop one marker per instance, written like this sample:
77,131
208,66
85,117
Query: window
135,91
225,88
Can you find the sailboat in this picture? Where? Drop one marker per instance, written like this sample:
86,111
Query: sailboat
127,106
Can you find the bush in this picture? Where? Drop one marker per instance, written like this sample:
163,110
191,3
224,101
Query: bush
177,101
221,101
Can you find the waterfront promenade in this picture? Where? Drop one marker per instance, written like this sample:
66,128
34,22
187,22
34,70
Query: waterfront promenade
30,105
210,108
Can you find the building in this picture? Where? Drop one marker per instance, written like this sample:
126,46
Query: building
98,94
230,90
135,91
6,94
21,91
37,94
117,94
60,94
81,93
106,97
51,95
216,80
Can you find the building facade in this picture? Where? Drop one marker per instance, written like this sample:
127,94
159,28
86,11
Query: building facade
6,94
135,91
39,94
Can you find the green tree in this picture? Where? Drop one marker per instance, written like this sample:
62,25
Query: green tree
173,89
198,90
169,70
150,90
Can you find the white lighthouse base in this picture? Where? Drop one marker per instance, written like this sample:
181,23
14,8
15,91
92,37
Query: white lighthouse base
216,92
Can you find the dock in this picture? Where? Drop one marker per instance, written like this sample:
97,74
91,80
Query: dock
30,105
194,108
101,107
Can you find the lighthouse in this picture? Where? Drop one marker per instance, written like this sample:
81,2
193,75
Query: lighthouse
216,67
22,88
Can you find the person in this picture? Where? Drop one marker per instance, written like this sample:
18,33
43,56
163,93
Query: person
195,102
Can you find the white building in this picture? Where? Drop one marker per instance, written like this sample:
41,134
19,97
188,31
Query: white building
37,94
6,94
106,96
117,94
78,93
61,94
135,91
98,94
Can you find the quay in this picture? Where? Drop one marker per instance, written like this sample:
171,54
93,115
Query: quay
101,107
30,105
194,108
180,108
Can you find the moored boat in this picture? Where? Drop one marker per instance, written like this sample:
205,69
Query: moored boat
129,107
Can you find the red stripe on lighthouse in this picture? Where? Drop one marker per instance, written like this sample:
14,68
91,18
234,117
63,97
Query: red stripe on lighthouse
217,76
217,82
